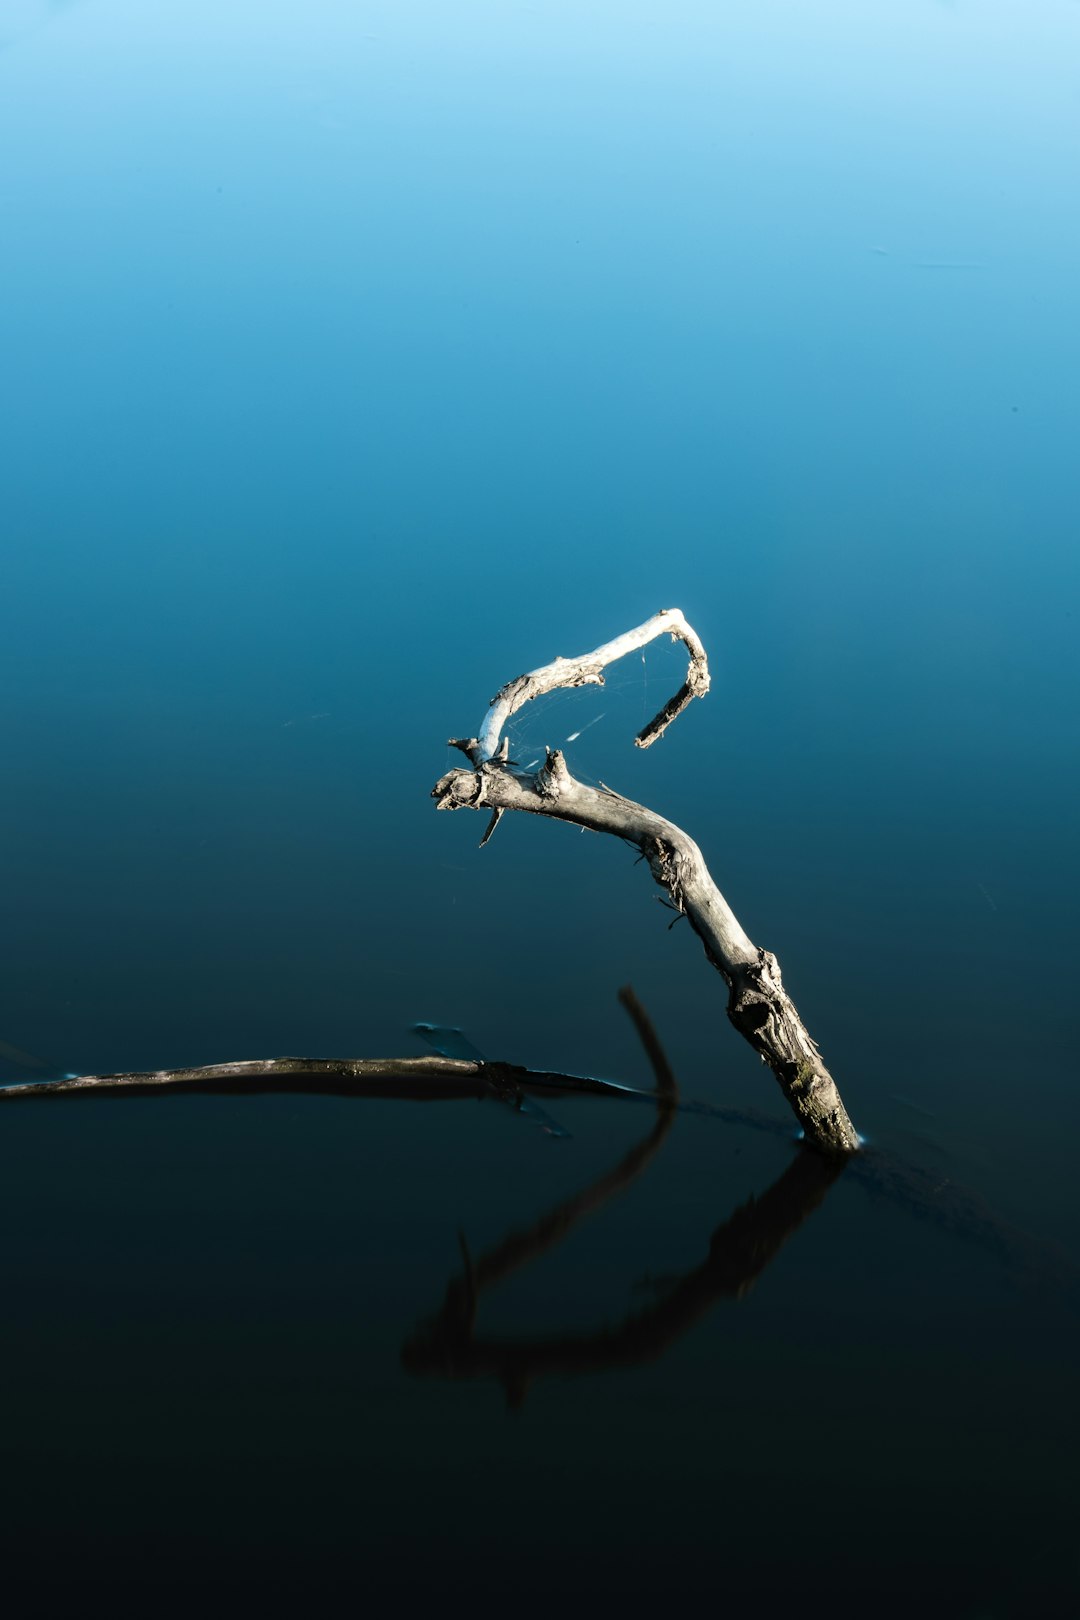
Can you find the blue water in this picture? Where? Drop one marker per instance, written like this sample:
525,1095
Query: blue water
355,358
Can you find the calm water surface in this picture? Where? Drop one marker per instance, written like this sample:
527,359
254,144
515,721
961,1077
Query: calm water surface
357,357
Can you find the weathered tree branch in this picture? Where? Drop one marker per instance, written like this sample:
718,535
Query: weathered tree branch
758,1005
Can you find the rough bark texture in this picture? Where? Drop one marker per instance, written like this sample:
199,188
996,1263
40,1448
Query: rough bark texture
759,1006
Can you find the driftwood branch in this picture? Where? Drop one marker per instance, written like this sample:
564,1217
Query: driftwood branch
758,1004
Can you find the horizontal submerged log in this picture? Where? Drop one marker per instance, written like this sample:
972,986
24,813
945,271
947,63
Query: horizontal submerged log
418,1079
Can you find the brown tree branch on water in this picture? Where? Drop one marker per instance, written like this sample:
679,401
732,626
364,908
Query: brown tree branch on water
758,1005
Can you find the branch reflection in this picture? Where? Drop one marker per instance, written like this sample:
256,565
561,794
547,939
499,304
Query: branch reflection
739,1251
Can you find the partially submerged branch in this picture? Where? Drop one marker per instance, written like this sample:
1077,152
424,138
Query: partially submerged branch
758,1005
419,1079
416,1078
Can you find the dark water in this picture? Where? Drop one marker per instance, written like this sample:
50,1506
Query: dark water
357,357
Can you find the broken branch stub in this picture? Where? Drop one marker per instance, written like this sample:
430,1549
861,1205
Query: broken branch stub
758,1005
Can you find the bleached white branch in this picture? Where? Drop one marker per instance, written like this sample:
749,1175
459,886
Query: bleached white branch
588,670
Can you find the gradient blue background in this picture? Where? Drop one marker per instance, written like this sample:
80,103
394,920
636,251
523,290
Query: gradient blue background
355,358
